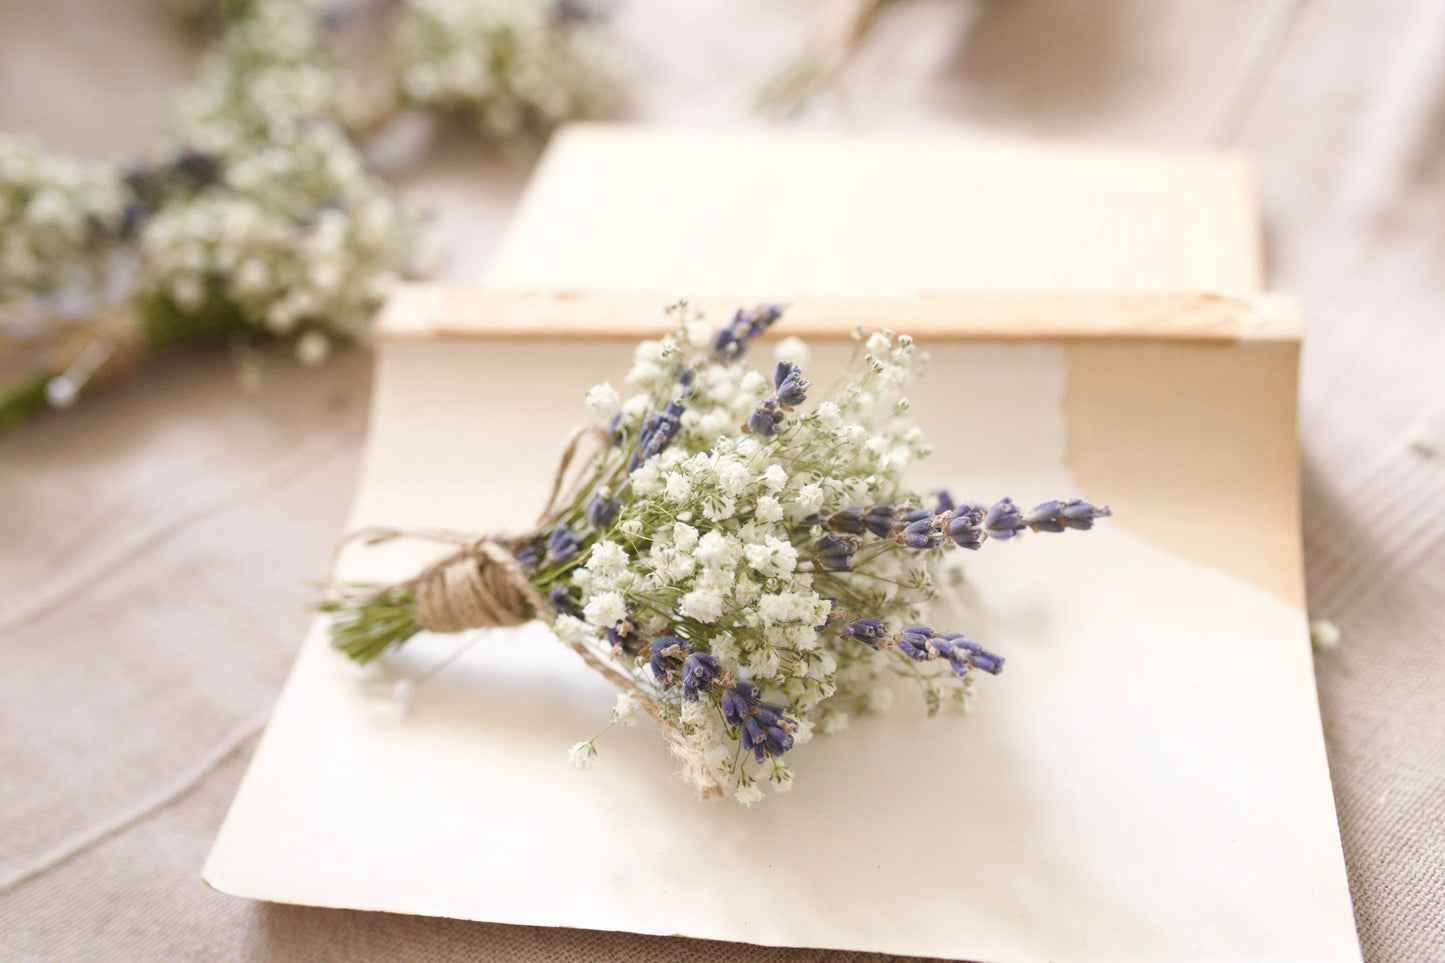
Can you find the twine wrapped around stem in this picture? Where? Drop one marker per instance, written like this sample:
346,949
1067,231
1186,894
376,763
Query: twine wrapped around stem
481,585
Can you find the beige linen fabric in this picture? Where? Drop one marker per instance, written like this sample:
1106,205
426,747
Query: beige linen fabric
153,545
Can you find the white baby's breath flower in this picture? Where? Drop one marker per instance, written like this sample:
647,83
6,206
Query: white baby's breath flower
698,334
718,549
647,480
625,712
606,609
768,510
583,755
810,498
677,487
603,400
645,374
608,560
748,793
794,349
734,478
703,605
775,478
684,536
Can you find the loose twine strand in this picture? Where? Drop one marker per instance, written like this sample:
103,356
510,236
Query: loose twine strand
481,585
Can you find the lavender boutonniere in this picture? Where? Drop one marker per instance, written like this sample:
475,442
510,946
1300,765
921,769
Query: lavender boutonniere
740,557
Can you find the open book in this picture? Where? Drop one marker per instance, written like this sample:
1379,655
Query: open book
1146,782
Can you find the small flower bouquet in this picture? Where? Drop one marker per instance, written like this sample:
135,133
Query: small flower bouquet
739,556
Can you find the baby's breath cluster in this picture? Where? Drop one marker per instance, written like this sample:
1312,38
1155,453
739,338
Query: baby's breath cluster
257,218
747,553
281,228
510,65
60,220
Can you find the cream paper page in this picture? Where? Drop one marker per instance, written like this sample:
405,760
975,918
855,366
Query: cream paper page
793,214
1144,782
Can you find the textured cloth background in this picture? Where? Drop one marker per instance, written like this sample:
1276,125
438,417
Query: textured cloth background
153,544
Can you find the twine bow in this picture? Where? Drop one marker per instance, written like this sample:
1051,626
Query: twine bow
481,585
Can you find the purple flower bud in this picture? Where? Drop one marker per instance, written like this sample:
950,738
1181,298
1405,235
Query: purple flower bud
563,603
922,534
945,500
622,636
1003,520
698,672
656,432
867,631
737,701
914,515
965,526
730,342
571,11
834,551
963,653
792,387
849,520
913,641
766,418
665,659
776,741
1079,514
561,544
602,512
726,345
529,555
763,729
878,519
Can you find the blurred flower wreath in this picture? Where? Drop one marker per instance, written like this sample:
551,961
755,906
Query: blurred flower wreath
258,218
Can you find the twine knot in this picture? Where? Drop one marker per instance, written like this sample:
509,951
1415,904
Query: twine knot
480,586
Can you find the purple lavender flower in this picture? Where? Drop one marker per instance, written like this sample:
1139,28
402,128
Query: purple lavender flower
963,653
922,643
563,603
913,641
1003,520
878,519
602,511
561,544
665,661
791,386
1055,516
528,555
923,533
621,636
965,525
765,419
834,551
698,672
848,520
655,434
571,11
765,730
868,631
945,500
731,341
